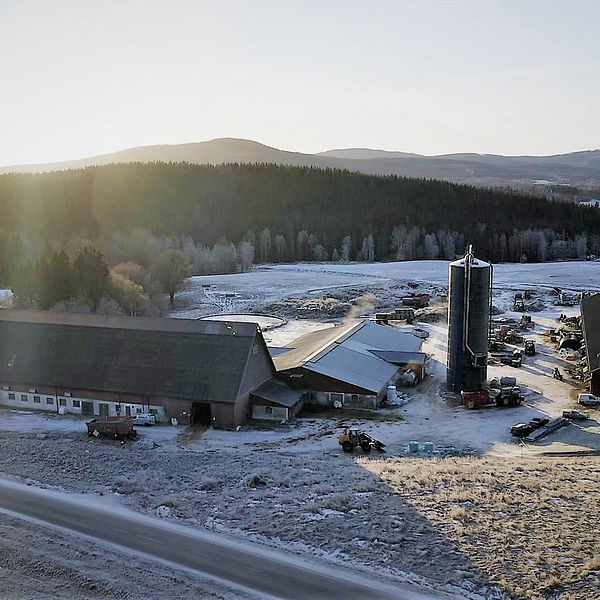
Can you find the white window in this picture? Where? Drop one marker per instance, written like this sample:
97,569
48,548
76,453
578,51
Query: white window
76,403
49,400
11,397
37,399
62,401
23,397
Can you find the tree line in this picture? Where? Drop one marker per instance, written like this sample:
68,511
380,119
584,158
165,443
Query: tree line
217,219
86,282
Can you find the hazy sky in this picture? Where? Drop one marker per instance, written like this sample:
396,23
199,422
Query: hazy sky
86,77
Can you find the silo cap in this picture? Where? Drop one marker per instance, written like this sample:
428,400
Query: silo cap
474,262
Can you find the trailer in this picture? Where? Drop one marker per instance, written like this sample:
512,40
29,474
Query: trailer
117,429
547,429
475,399
417,301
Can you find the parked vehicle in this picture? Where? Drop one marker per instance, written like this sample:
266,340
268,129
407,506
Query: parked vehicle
118,429
530,348
524,429
575,414
588,400
519,305
508,396
521,429
352,438
144,419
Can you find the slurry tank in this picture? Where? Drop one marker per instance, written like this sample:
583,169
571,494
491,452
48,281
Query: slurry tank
469,298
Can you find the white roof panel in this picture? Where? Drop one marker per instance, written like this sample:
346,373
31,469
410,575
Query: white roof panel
362,370
384,337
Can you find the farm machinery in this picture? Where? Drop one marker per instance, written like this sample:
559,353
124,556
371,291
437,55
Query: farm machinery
350,439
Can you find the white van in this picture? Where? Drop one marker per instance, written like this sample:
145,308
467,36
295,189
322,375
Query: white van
144,419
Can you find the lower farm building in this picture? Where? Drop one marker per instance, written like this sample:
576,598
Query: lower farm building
350,365
184,371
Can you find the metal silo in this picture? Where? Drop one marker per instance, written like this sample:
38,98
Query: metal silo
469,298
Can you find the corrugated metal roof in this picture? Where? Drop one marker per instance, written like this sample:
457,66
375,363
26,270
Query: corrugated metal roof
402,358
311,344
278,393
590,313
349,353
367,372
385,337
154,357
277,351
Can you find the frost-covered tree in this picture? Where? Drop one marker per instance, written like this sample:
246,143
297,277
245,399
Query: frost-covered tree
432,250
345,253
280,248
581,246
319,252
246,252
541,246
130,296
225,257
170,270
302,245
367,251
265,245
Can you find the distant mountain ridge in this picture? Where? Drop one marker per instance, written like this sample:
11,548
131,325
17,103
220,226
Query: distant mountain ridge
575,168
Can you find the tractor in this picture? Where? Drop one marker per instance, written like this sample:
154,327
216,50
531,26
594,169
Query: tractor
352,438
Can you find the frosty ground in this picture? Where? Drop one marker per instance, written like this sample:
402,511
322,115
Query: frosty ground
450,523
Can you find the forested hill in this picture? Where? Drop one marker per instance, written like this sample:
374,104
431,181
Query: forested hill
580,169
302,208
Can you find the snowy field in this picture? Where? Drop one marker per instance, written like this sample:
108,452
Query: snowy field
245,291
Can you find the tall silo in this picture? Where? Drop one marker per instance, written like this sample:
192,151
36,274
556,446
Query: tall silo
469,299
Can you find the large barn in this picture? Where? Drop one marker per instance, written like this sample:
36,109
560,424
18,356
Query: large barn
189,370
349,365
590,314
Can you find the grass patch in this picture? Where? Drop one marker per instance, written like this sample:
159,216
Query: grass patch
539,515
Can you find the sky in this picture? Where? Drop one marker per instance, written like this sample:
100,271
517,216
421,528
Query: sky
85,77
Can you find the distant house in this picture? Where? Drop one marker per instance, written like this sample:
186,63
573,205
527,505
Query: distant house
189,370
590,316
349,365
593,202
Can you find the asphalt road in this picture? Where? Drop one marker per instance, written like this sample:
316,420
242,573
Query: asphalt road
257,570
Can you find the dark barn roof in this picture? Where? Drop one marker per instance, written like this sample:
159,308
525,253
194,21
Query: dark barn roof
178,358
590,313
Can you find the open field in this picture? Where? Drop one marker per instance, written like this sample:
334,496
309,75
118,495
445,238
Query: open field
531,525
267,284
488,527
